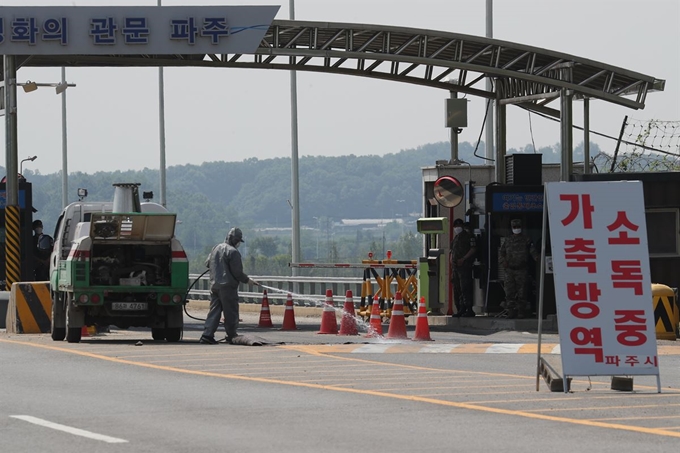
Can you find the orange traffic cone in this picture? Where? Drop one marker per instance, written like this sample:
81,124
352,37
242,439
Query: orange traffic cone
329,325
375,326
289,315
348,324
422,327
397,321
265,315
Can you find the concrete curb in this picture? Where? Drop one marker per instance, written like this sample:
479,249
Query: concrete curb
444,323
277,310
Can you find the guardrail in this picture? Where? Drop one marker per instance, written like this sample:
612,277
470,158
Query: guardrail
306,291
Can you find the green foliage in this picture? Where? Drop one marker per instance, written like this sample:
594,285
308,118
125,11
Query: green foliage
264,245
253,194
409,246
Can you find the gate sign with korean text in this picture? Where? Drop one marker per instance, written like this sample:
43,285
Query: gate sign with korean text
598,236
132,30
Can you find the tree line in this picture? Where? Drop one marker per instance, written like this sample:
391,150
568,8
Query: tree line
254,194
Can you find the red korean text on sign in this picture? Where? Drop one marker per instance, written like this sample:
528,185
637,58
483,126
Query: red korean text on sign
620,223
651,361
585,296
612,360
632,360
627,274
632,326
579,204
580,252
582,336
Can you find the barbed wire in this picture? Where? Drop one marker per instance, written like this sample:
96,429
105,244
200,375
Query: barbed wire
647,146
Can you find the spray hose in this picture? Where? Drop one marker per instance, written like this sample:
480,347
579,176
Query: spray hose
186,296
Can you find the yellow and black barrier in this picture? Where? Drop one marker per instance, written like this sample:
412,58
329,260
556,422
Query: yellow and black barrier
665,312
30,308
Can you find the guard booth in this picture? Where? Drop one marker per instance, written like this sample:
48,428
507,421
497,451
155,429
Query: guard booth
25,196
496,205
505,203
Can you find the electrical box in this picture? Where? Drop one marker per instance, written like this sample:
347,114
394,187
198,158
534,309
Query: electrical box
433,225
456,113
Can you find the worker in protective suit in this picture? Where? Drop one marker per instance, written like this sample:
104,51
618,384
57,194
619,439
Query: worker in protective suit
226,272
514,257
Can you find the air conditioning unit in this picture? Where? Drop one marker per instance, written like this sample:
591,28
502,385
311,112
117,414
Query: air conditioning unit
524,169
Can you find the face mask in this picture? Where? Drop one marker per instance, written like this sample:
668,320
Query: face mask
516,230
238,244
38,231
457,230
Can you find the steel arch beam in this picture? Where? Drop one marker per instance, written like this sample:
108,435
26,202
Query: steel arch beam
529,75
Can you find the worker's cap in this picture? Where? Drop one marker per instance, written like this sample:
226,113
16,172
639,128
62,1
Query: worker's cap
458,222
37,224
516,223
236,234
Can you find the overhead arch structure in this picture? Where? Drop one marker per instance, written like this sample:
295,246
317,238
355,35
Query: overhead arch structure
527,76
410,55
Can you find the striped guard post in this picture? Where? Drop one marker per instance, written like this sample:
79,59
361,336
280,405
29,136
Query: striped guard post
30,308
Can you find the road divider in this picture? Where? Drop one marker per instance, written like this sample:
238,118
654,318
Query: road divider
30,308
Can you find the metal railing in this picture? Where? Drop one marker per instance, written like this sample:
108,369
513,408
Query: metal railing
306,291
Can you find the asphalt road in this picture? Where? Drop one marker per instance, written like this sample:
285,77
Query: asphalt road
318,393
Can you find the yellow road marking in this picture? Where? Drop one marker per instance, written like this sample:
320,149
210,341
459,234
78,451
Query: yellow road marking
599,408
663,417
419,399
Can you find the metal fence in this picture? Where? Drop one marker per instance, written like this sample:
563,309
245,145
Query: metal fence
306,291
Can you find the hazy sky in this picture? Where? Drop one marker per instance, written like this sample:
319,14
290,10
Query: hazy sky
233,114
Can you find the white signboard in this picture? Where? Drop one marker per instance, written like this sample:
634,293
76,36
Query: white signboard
598,236
132,30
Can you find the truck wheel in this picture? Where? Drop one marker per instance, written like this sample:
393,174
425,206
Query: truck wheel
58,324
173,334
75,320
73,334
158,334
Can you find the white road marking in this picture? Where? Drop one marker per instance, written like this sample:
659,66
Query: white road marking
372,348
69,429
438,348
507,348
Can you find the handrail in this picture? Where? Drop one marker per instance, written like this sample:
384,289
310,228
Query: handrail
306,291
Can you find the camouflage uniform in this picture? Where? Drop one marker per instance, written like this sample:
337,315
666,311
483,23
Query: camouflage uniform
462,275
514,257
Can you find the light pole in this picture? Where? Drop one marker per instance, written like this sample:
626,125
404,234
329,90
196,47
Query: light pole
60,88
318,233
295,183
161,131
488,126
21,164
64,147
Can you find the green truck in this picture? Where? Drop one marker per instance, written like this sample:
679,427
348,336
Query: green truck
114,264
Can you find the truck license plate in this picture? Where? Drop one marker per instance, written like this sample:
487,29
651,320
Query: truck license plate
129,306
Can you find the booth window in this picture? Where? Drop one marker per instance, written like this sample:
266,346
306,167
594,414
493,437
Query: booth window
663,226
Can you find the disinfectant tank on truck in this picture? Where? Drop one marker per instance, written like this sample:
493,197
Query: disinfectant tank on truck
116,265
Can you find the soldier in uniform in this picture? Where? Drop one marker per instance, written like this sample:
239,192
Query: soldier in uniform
514,257
42,248
463,249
